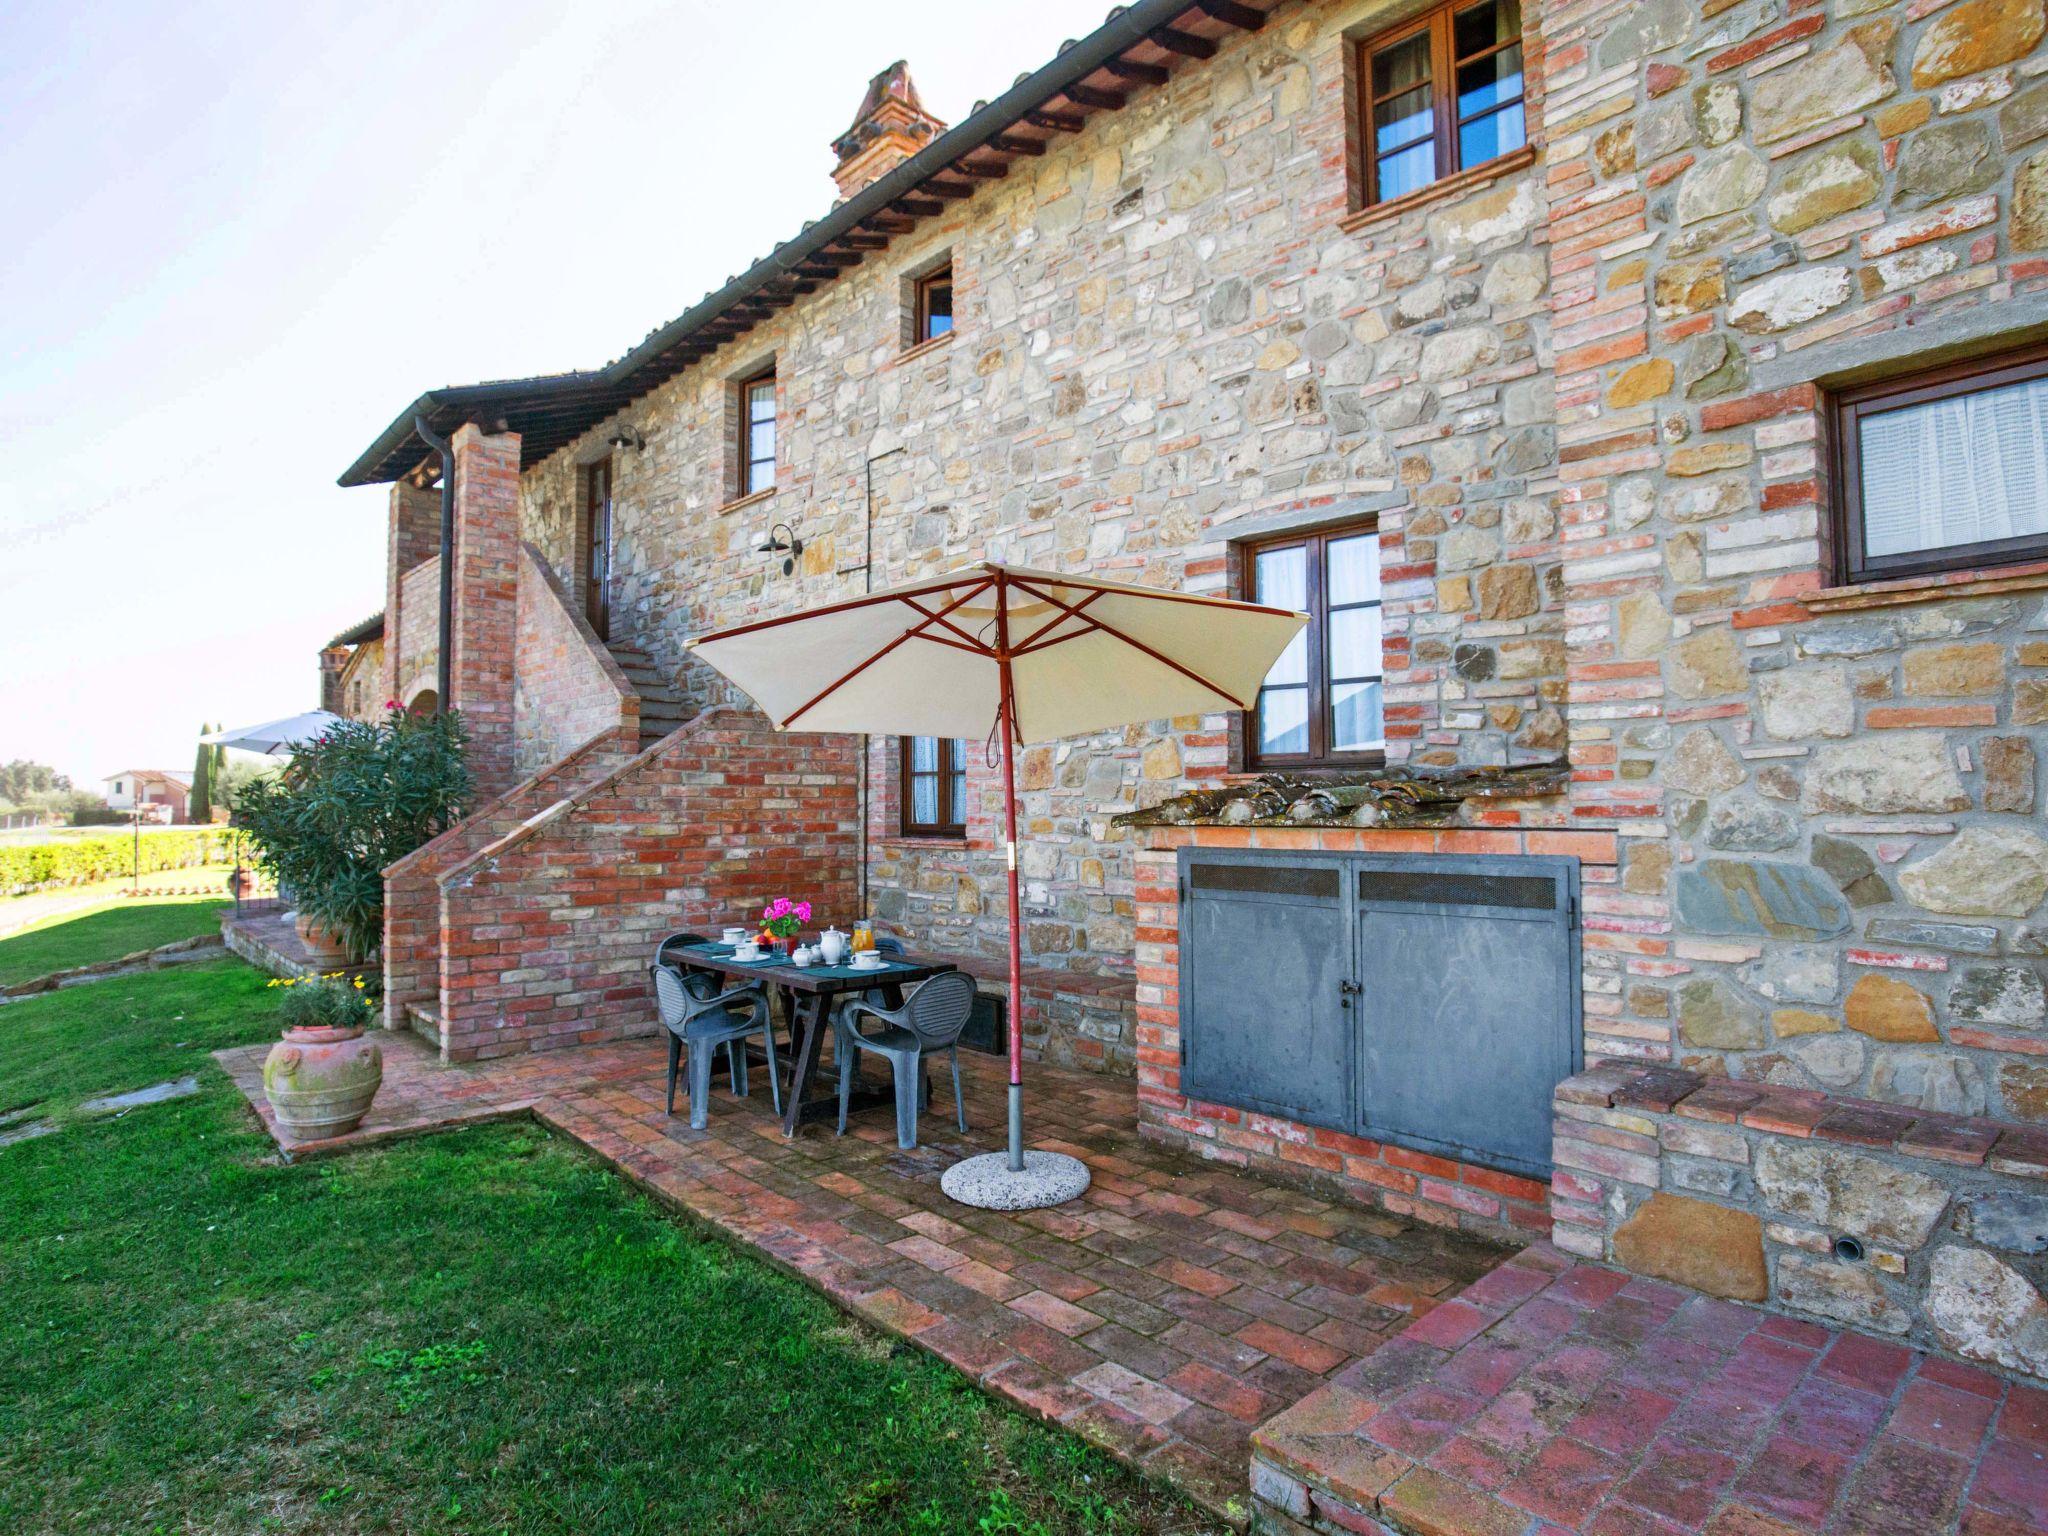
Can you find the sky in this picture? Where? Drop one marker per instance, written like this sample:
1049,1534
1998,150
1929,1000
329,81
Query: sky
244,237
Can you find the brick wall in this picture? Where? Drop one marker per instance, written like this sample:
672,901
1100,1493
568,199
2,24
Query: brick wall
547,932
1928,1226
413,663
566,686
413,537
485,587
1417,1184
412,892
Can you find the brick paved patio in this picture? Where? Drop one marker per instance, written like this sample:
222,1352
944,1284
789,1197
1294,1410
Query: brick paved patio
1163,1316
1555,1397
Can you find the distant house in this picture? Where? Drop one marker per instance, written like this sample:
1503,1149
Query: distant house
164,794
352,671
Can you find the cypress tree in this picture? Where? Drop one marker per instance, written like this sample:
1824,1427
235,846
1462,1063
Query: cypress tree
201,803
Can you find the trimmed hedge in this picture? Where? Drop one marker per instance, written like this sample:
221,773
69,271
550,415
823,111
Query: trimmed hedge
81,861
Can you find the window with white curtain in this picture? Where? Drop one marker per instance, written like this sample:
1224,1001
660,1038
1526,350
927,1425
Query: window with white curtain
1945,471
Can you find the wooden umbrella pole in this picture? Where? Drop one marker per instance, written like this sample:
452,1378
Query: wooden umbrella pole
1006,722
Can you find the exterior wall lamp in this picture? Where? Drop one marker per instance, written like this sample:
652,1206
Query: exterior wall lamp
781,540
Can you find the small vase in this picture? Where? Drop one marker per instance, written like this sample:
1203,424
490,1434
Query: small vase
320,1081
323,945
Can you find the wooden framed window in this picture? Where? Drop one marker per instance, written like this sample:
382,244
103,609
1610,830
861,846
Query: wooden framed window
1321,704
757,432
934,787
597,547
934,305
1943,470
1441,94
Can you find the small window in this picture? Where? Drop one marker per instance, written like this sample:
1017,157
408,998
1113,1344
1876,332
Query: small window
1944,470
934,305
1442,94
757,433
934,787
1321,703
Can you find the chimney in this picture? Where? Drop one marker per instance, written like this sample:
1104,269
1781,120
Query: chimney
332,659
890,127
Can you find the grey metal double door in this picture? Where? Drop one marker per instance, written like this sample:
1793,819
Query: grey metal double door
1428,1001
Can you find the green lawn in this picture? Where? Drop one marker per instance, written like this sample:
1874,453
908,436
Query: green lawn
105,933
484,1331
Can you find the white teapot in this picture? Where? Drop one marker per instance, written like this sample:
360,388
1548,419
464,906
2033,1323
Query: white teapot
833,946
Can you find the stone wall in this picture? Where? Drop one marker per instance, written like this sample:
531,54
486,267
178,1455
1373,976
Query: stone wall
1583,394
566,686
1928,1226
546,933
362,695
1827,797
1171,334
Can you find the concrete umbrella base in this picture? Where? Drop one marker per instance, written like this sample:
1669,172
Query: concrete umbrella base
1047,1178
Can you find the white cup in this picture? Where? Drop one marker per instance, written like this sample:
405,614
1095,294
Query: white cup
735,937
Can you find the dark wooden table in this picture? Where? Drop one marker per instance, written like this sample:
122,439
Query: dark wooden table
810,991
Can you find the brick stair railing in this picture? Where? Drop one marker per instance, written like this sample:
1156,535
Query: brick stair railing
412,897
544,930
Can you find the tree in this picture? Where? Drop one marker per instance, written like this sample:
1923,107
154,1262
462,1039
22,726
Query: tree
22,779
201,802
220,757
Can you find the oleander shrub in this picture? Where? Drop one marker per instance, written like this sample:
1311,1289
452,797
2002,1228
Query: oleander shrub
351,802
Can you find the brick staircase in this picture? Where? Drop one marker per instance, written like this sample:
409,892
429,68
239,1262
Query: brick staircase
661,707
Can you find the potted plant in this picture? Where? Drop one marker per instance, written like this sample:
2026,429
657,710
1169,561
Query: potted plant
352,802
782,922
321,1077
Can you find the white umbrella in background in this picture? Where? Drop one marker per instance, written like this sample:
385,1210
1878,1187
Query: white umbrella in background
275,738
1032,656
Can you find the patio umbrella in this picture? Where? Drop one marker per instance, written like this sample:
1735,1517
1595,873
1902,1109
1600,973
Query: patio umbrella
1023,655
274,738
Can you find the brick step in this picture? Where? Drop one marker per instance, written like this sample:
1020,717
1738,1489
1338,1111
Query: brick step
656,693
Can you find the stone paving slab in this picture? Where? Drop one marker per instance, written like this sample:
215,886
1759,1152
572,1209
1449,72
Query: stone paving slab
1554,1396
1162,1316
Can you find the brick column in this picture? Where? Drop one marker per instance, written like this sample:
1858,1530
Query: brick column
415,535
486,600
332,659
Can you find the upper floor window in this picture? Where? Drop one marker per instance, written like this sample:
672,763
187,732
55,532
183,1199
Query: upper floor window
1321,702
1944,470
934,787
934,305
1441,94
757,433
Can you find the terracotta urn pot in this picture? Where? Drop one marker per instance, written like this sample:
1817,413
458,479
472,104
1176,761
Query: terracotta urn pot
320,1081
242,884
323,945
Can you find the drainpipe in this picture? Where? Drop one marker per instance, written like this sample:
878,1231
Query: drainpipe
867,573
444,660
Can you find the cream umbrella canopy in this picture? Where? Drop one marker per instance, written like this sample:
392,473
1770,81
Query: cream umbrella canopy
1023,656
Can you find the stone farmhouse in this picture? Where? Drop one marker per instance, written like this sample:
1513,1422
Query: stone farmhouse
1648,399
